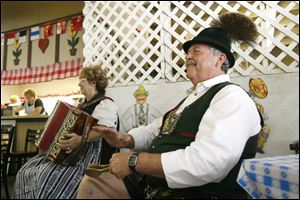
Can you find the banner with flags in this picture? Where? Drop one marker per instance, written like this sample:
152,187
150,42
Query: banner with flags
10,38
48,30
61,27
76,23
22,36
35,33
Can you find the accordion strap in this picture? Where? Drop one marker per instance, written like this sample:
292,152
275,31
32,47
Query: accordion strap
87,128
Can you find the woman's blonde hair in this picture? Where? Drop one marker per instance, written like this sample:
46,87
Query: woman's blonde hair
30,92
14,98
95,74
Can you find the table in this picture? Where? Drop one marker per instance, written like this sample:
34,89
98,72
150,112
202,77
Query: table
271,178
22,123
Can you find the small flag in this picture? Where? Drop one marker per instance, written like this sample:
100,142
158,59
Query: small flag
2,39
76,23
10,38
35,33
61,27
48,30
22,36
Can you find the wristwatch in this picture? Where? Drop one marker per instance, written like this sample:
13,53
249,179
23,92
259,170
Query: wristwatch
132,161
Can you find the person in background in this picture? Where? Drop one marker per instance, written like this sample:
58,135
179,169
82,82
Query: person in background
40,178
14,100
32,104
196,149
15,103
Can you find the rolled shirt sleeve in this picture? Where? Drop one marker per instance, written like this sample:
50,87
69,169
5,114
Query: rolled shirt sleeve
224,130
143,135
107,113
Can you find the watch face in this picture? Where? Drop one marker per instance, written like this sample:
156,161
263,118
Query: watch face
132,160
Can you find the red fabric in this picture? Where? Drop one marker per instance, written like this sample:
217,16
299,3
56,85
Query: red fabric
46,73
48,30
76,23
10,35
188,134
61,27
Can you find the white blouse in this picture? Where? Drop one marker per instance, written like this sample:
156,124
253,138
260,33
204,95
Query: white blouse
226,126
107,113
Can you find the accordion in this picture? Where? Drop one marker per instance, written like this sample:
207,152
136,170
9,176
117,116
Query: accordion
65,119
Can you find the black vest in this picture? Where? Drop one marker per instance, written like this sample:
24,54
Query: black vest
89,106
184,133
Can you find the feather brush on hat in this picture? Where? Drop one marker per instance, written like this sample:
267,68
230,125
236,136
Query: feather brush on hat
238,27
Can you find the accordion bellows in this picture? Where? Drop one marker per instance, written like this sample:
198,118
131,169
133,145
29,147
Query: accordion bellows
65,119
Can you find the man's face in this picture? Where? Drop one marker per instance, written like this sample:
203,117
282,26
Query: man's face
141,98
201,64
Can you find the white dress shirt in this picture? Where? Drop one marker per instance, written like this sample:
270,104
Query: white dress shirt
226,126
107,113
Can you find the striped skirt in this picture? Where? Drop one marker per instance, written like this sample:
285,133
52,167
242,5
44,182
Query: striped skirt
40,178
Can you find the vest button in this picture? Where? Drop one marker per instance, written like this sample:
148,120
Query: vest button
153,147
159,136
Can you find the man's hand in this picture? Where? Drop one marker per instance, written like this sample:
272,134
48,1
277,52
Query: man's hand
118,164
71,143
148,164
114,138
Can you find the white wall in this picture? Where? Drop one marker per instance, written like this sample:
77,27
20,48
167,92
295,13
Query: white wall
281,104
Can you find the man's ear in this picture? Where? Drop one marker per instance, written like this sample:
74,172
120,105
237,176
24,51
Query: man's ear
221,59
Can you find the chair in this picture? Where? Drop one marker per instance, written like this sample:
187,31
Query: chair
7,131
12,161
30,149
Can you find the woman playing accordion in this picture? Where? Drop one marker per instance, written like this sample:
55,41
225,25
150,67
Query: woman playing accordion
41,177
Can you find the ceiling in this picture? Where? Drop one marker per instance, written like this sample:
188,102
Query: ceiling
18,14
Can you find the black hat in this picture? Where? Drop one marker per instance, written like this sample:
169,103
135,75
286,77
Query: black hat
215,37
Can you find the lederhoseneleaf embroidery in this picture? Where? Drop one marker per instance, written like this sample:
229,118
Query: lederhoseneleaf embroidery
170,122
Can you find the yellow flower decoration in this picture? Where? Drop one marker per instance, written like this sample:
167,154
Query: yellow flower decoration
17,51
17,44
73,42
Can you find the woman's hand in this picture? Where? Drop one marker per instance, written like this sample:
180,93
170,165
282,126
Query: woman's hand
71,143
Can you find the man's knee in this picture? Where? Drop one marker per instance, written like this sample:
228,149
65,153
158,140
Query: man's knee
85,190
103,187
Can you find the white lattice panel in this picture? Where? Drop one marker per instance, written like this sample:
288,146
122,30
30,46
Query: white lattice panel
140,42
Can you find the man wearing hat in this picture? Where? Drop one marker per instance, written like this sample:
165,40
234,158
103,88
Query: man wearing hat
141,113
196,149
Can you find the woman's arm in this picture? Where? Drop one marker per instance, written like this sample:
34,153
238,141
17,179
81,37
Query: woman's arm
37,111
